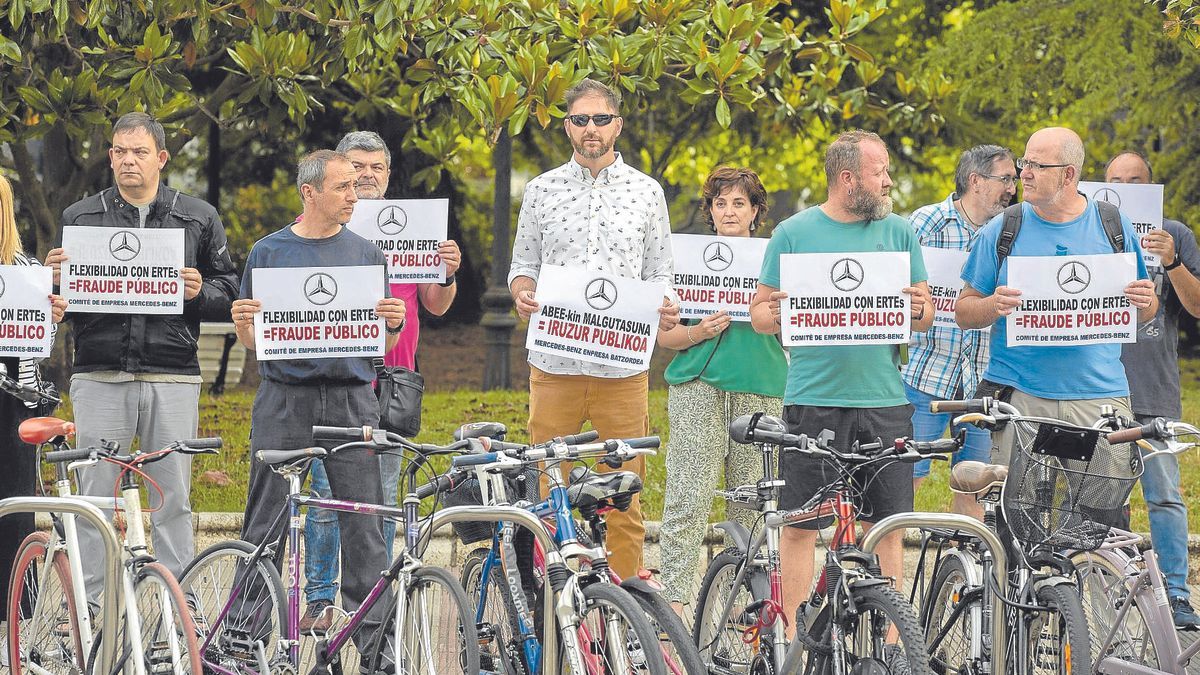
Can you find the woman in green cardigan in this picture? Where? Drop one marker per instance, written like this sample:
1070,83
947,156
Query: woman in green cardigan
723,369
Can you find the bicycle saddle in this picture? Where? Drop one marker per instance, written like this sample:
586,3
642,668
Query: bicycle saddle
602,489
493,430
279,457
975,477
38,430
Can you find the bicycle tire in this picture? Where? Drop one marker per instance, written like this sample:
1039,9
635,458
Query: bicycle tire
36,613
496,623
451,646
953,654
207,584
1103,592
675,642
604,605
721,649
168,631
1059,641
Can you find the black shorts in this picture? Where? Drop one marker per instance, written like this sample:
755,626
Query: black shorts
886,489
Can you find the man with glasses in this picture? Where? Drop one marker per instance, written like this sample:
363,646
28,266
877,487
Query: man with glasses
1152,366
601,213
1071,383
947,362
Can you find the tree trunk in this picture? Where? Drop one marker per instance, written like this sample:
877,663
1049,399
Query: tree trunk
498,320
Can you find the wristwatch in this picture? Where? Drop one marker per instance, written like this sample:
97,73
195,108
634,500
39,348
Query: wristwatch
448,282
1177,263
394,331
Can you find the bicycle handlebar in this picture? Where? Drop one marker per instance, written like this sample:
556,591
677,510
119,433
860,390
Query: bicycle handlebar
974,405
74,455
191,446
1154,429
351,434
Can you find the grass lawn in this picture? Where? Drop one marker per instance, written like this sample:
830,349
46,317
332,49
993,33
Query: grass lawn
228,416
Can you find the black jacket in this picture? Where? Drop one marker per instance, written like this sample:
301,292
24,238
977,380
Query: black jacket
156,343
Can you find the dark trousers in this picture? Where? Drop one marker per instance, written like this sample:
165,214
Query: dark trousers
282,419
18,478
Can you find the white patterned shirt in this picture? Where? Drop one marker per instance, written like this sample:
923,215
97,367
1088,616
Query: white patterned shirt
616,222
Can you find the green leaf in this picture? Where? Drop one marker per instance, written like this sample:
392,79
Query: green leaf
723,115
10,50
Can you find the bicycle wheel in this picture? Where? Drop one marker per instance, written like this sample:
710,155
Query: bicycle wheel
437,630
1058,640
168,633
952,618
43,626
496,621
1105,592
720,641
614,635
674,642
257,617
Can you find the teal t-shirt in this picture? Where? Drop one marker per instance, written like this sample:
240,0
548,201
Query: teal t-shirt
843,376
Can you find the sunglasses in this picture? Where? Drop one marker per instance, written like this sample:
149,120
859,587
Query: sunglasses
601,120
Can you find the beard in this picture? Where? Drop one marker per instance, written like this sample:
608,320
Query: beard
595,152
869,206
368,191
997,206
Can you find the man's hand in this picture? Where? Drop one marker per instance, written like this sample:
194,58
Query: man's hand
919,303
668,314
451,255
54,260
192,281
58,306
392,311
243,312
1005,300
525,303
1141,292
774,301
1161,244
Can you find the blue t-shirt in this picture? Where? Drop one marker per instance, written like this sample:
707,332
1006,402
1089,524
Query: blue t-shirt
1058,373
284,248
842,376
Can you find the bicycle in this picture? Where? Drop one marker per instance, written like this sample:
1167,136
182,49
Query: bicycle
1061,481
50,627
248,627
1124,592
739,624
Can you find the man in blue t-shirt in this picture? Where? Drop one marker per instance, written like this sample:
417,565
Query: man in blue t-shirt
853,390
1070,383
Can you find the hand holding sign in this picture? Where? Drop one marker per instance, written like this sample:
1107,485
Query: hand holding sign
54,260
392,311
1140,293
1161,244
1006,299
58,307
451,256
710,326
668,315
192,282
243,311
918,301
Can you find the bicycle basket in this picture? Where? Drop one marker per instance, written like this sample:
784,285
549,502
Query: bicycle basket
1065,484
469,494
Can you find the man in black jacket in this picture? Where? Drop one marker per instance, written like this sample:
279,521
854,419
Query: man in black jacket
138,374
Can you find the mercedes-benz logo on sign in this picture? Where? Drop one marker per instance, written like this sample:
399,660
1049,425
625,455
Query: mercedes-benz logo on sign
846,274
1074,277
320,289
1108,195
124,246
600,294
718,256
391,220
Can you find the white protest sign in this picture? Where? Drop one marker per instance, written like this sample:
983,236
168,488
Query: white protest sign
714,273
595,317
113,271
318,312
1141,203
25,322
408,232
1072,300
844,298
944,266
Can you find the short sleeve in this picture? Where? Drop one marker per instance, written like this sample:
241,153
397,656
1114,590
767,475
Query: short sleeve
916,261
247,290
1187,250
779,245
981,272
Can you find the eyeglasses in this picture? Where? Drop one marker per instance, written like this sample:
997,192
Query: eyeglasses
601,120
1008,181
1023,164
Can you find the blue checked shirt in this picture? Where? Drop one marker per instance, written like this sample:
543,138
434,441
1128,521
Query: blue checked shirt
946,363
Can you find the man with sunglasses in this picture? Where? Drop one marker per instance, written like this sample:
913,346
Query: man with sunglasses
601,213
1071,383
947,362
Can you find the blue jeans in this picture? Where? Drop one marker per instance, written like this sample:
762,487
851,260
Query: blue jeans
321,534
929,426
1168,519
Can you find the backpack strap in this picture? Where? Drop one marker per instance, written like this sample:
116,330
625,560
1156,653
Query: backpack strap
1008,234
1110,218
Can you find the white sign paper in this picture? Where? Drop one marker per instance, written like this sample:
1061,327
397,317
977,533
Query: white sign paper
844,298
318,312
123,271
1072,300
595,317
716,273
944,266
1141,203
408,232
25,321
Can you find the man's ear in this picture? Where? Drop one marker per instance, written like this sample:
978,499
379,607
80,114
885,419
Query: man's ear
163,156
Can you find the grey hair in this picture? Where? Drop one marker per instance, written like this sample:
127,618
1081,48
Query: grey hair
132,121
367,141
1135,153
1073,153
978,160
589,87
311,169
844,154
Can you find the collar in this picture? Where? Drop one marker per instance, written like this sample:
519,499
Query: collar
606,174
164,200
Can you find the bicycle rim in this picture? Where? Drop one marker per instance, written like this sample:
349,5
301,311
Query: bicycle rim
43,627
678,652
499,648
1058,639
719,639
1104,592
614,635
436,630
952,614
168,633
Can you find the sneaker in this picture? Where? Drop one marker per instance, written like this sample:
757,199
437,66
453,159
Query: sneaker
1185,617
318,617
895,660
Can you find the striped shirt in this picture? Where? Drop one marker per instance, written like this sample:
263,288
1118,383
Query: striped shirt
29,375
945,362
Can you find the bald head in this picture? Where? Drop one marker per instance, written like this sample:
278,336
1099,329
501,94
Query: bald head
1063,144
1128,167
